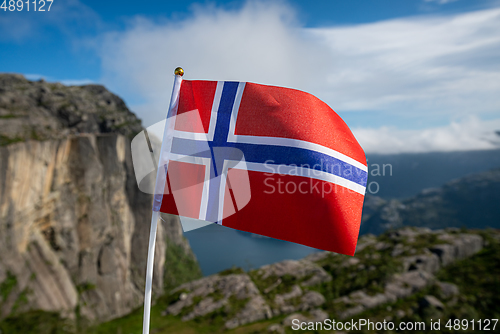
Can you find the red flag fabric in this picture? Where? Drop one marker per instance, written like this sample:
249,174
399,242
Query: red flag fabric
268,160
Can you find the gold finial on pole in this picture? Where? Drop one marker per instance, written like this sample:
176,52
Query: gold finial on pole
179,71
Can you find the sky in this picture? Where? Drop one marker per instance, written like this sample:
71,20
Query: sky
405,75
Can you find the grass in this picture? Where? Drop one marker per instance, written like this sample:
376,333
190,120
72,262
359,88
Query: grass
426,240
86,286
38,322
232,270
287,282
181,267
218,318
132,324
22,300
8,116
371,273
7,286
5,140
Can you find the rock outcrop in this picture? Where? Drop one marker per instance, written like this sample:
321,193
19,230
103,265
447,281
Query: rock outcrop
74,226
235,295
396,266
418,270
245,298
40,110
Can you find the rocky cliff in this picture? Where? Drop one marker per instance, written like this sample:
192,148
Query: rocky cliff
74,227
40,110
392,270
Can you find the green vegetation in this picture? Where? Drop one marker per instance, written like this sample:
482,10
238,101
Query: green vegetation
217,319
132,324
38,322
7,286
232,270
287,282
5,140
180,268
425,240
34,135
22,300
8,116
375,267
129,124
86,286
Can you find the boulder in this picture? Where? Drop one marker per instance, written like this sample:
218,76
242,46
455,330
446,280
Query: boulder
367,301
448,290
400,286
235,294
311,299
298,269
459,247
276,328
318,256
352,261
350,312
427,262
405,284
431,301
255,309
297,300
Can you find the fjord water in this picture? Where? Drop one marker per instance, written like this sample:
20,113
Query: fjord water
218,248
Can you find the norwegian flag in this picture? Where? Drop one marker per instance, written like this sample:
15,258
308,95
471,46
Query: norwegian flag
268,160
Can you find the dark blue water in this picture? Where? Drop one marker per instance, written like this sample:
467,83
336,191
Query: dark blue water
217,248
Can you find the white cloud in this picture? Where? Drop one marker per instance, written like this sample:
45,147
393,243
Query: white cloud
259,43
423,65
425,68
470,134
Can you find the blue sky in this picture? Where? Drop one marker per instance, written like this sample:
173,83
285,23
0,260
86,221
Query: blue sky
406,75
54,45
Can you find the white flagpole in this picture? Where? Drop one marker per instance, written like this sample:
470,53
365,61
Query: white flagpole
158,194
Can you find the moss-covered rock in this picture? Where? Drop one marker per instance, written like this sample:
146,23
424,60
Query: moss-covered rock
37,110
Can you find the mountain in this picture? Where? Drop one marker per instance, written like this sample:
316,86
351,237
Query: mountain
405,175
39,110
470,201
74,227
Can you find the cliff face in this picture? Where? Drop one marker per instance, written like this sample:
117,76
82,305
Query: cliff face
74,227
